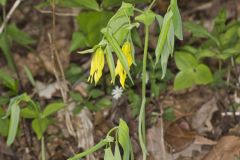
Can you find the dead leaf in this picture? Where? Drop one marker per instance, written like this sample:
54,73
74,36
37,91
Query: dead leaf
155,143
178,137
47,90
200,140
227,148
201,122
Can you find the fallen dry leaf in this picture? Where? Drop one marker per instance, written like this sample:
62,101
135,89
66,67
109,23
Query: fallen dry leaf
46,90
178,137
155,143
227,148
201,121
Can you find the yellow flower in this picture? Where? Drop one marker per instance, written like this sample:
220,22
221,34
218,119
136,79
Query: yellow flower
97,65
126,49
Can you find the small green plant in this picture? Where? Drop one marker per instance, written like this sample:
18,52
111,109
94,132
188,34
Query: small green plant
221,45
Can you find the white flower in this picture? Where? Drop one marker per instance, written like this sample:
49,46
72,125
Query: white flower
117,92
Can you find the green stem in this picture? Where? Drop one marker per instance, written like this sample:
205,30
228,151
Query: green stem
89,151
151,5
43,155
141,125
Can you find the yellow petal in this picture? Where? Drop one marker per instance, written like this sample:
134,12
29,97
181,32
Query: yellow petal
97,65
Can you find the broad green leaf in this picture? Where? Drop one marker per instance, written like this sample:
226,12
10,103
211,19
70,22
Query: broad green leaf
5,46
39,126
13,126
229,36
205,53
91,23
146,18
117,154
52,108
78,41
163,35
177,20
90,4
199,31
28,113
110,62
203,75
103,103
185,60
19,36
8,81
184,79
108,155
124,139
95,93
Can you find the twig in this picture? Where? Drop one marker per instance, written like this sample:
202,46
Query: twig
14,7
58,13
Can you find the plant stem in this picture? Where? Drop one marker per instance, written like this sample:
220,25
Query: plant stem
151,5
141,125
43,156
89,151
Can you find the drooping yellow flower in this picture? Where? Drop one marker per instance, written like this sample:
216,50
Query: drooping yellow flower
126,49
97,65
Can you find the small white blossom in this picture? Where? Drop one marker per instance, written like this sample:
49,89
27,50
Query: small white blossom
117,92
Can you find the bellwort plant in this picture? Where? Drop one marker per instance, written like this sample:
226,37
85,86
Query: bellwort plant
117,42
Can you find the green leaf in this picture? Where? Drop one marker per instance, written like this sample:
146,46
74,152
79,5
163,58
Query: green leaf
78,41
91,23
29,113
3,2
169,114
205,53
146,18
13,126
89,4
19,36
52,108
184,79
8,81
103,103
4,123
29,75
110,62
199,31
163,35
124,139
113,3
117,154
116,48
5,46
203,75
39,126
108,155
167,49
185,60
95,93
238,59
177,20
